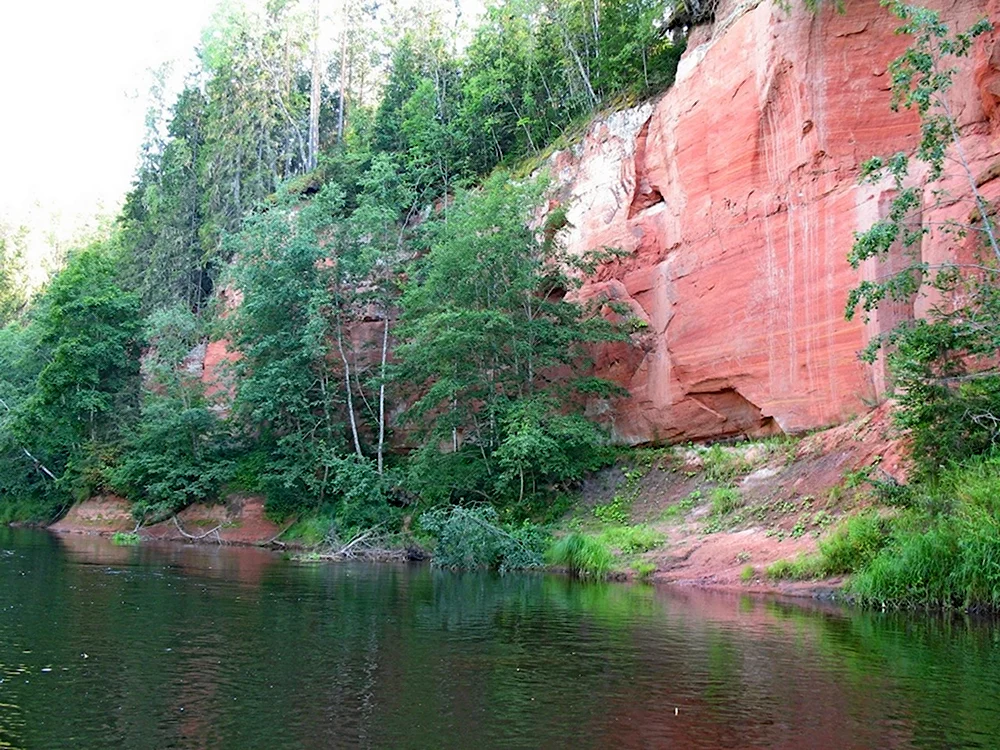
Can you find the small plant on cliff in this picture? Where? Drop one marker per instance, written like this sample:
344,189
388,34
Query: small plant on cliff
943,364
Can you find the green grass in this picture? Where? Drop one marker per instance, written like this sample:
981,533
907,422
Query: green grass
748,573
944,553
797,569
725,500
125,539
309,531
722,465
644,570
631,540
582,555
854,543
941,552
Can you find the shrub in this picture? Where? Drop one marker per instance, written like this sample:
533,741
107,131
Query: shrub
748,573
468,538
125,538
582,555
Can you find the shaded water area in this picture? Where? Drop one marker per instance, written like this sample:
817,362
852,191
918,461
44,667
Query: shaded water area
170,646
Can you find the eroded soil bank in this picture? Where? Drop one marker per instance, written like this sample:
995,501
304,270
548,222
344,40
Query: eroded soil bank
725,513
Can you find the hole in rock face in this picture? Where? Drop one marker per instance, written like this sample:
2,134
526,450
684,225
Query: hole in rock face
735,414
646,196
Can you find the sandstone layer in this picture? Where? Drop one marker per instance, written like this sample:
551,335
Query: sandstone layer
735,198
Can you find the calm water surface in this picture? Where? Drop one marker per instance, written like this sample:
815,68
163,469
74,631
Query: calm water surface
202,647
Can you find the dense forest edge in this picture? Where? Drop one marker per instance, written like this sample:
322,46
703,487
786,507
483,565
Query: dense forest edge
411,368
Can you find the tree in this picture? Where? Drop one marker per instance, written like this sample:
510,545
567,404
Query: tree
944,365
68,421
176,454
12,297
498,352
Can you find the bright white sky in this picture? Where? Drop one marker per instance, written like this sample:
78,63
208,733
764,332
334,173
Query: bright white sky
73,85
74,81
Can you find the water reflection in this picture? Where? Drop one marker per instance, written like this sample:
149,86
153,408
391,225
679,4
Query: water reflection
205,647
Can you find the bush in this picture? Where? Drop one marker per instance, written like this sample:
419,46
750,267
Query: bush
582,555
468,538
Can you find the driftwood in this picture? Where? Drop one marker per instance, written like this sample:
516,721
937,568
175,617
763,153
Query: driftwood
367,545
198,536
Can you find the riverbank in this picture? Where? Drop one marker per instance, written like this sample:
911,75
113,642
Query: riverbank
714,517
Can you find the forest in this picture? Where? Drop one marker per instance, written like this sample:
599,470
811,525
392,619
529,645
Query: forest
366,226
406,331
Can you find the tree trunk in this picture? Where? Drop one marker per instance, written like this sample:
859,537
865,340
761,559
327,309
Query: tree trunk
350,397
381,391
343,73
315,94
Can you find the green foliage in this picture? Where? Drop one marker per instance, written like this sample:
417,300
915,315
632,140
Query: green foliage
177,453
72,384
945,554
725,500
800,568
854,543
12,296
947,388
310,530
644,570
582,555
723,464
617,511
748,573
631,540
469,538
125,539
485,329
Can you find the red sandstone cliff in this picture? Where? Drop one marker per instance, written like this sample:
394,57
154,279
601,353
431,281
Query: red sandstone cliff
736,198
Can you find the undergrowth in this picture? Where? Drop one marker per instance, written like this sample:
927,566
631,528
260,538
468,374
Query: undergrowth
941,550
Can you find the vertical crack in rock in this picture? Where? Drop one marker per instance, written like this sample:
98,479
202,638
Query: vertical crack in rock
646,194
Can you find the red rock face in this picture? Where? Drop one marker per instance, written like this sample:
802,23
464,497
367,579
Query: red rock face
735,198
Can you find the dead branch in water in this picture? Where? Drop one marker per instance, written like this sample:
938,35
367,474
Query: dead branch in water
366,545
198,536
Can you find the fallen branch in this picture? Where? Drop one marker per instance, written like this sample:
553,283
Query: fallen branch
38,464
197,536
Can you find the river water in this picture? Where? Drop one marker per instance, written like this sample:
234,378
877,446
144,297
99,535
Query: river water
171,646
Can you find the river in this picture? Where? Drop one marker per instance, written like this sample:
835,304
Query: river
173,646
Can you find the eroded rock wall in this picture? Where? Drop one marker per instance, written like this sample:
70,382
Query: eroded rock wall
735,198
